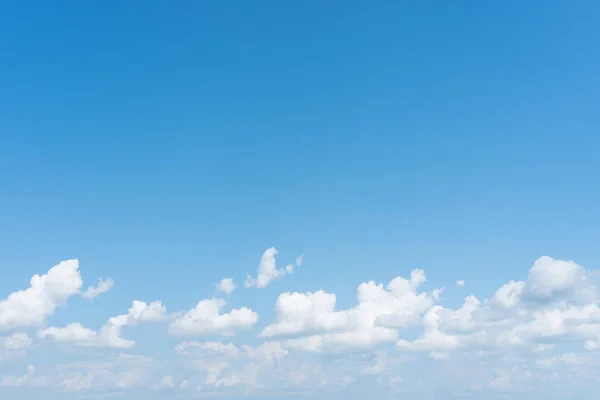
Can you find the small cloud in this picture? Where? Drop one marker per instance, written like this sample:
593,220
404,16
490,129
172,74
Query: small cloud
226,286
102,287
460,283
299,260
207,318
267,271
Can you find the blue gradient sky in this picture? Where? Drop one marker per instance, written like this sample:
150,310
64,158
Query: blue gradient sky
166,145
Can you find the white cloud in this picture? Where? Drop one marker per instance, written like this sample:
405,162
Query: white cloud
557,301
16,341
30,307
376,318
226,286
134,378
267,271
225,365
268,353
460,283
102,287
206,318
29,379
166,382
509,295
110,333
78,382
15,344
528,335
248,376
74,332
299,260
302,313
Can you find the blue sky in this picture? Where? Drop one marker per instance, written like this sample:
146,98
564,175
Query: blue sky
169,145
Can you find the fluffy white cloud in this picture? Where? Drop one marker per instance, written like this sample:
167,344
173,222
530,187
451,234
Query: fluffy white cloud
460,283
30,307
305,312
376,318
206,318
110,333
558,300
104,285
509,295
550,278
226,286
542,330
267,271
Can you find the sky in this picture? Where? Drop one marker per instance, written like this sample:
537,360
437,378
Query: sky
299,200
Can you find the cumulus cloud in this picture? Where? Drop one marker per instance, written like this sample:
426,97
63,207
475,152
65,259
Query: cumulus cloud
267,271
460,283
30,307
206,318
102,287
544,328
375,319
226,286
110,333
558,300
550,278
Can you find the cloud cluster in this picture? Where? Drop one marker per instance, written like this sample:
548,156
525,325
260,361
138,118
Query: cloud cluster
380,312
558,301
229,365
110,333
31,307
523,334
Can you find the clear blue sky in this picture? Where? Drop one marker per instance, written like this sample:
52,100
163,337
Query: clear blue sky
167,145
